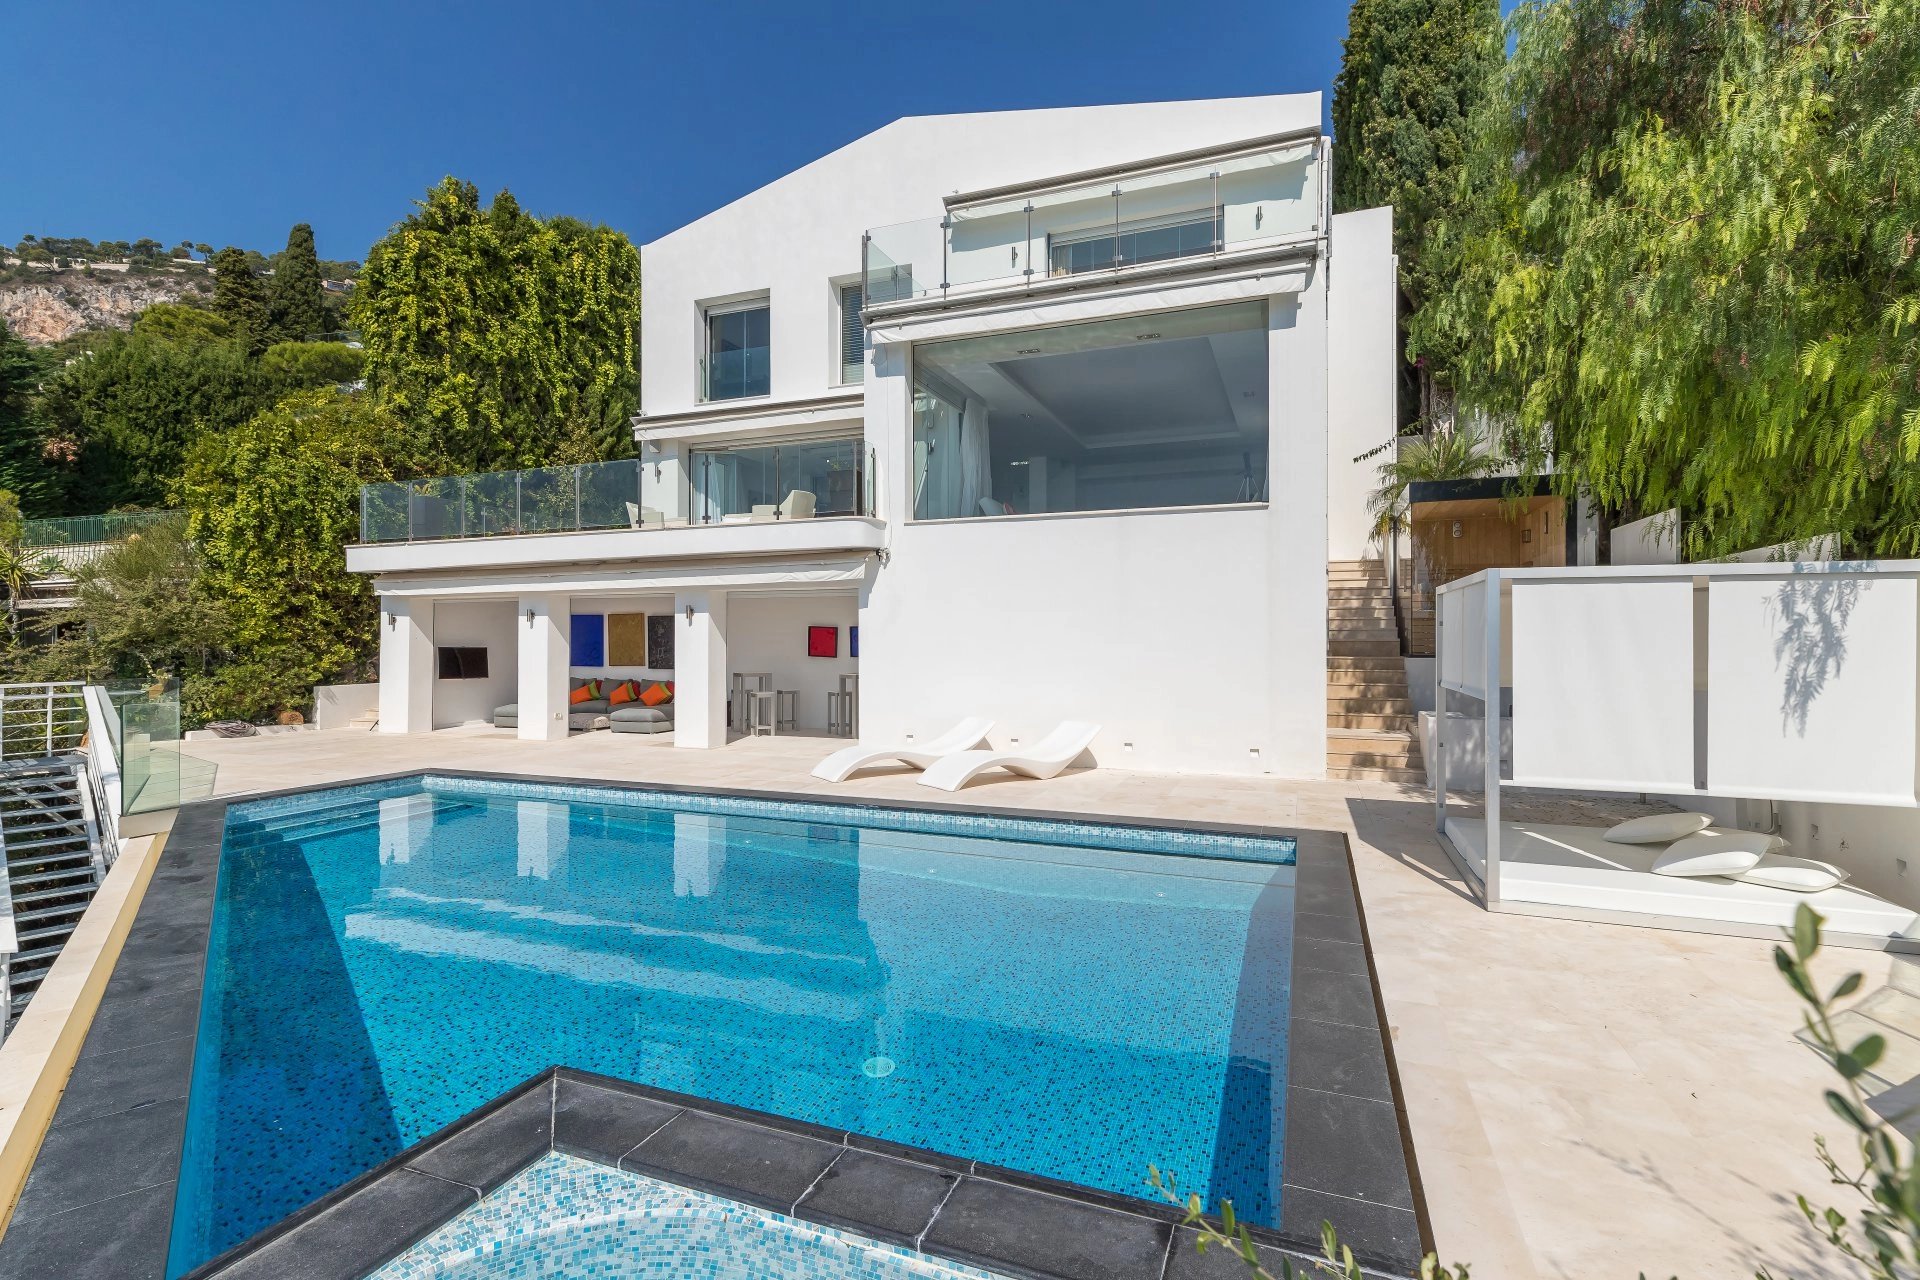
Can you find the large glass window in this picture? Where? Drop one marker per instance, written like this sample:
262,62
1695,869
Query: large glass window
1166,410
1148,240
738,352
794,480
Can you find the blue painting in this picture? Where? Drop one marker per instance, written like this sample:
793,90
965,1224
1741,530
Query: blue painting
853,642
589,643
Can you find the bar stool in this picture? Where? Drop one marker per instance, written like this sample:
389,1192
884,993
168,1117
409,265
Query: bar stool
762,714
743,683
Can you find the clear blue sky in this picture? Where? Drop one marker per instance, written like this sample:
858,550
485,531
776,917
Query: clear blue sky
228,121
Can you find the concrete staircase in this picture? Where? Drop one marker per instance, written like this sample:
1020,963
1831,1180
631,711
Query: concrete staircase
1371,728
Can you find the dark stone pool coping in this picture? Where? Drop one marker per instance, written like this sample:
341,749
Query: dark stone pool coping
98,1203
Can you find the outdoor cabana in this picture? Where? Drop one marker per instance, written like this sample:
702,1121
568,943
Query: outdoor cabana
1701,684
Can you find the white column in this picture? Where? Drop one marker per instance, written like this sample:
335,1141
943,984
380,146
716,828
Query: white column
544,624
700,669
406,664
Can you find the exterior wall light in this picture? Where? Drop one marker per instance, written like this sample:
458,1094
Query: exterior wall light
689,615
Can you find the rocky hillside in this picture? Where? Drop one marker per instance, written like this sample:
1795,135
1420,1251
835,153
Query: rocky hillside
52,305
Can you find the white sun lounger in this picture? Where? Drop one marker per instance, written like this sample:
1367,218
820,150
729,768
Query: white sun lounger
968,733
1045,758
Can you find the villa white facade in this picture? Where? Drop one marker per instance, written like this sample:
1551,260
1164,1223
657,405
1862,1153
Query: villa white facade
1060,409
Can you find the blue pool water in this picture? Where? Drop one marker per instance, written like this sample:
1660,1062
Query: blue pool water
1067,1000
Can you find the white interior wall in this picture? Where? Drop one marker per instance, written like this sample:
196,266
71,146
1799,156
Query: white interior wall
1362,347
490,625
622,604
769,633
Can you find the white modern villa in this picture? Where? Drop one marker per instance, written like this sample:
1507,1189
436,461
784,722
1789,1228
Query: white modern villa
1035,416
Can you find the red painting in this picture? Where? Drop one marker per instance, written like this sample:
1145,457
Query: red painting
823,642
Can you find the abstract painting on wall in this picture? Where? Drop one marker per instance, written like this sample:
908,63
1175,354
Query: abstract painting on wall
626,639
660,641
823,642
587,640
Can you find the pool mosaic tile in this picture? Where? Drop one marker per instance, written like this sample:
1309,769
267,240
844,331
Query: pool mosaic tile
567,1217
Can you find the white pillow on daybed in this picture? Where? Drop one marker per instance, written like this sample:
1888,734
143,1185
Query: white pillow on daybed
1797,875
1659,828
1715,853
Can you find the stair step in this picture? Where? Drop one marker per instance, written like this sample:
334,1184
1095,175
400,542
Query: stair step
84,892
1344,721
1369,704
1357,773
57,933
52,876
1363,648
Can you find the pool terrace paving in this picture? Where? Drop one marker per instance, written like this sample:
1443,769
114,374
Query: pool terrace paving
1585,1100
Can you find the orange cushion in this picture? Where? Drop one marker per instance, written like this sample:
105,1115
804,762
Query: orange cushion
585,693
656,693
625,691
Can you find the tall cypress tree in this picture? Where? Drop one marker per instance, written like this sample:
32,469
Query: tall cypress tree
296,302
1411,74
237,297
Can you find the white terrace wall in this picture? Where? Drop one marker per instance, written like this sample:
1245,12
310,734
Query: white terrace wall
1363,337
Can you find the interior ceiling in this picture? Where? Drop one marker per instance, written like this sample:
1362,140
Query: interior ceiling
1210,387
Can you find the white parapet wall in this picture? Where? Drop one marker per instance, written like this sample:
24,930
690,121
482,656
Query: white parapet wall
335,706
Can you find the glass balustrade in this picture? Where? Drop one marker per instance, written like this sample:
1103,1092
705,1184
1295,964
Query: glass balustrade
1235,201
821,478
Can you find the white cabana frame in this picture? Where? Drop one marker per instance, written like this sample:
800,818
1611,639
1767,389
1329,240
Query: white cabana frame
1763,681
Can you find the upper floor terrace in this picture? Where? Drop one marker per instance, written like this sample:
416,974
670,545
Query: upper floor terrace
1217,207
784,497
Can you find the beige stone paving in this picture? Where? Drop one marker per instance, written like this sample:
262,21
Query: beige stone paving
1586,1100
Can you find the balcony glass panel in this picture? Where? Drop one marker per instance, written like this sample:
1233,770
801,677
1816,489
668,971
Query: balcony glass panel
793,480
603,495
1234,202
1150,411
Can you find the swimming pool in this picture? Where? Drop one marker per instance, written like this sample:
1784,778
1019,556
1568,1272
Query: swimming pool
1063,999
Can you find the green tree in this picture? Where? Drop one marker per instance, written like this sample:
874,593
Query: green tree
24,468
1411,74
1686,273
311,364
510,340
1459,453
131,406
238,298
296,304
272,503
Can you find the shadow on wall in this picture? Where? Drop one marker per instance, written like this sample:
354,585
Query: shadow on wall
1810,645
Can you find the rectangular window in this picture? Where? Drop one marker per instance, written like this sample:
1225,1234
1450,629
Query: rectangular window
1131,243
462,663
853,335
738,360
1165,410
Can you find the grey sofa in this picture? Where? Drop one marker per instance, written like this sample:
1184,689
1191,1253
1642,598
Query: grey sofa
596,713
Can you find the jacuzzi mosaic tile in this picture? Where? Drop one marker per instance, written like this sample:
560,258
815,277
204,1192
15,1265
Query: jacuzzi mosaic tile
386,958
572,1218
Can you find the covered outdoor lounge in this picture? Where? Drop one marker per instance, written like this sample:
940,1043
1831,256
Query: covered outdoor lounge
1720,688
